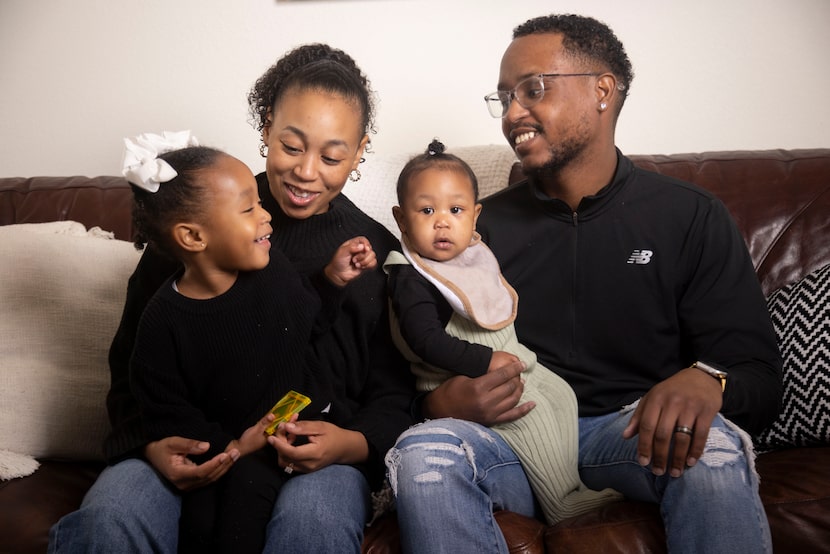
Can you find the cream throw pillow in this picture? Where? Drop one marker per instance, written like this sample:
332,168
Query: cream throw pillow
62,290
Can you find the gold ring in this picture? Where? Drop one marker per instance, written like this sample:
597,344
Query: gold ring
685,430
289,469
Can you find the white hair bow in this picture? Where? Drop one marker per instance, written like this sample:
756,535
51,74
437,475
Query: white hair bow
141,165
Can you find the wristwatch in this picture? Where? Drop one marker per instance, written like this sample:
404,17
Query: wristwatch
713,371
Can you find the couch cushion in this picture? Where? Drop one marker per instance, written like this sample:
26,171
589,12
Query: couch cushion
795,490
94,201
800,313
32,505
62,290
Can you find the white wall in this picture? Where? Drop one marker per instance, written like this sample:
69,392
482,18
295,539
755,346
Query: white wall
78,75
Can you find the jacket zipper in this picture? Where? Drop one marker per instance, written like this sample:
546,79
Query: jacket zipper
574,275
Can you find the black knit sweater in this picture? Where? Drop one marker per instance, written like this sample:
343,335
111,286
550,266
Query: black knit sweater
372,380
212,368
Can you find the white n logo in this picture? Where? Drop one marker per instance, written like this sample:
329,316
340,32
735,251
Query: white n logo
640,257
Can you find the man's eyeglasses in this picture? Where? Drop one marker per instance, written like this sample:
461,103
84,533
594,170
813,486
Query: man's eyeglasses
527,93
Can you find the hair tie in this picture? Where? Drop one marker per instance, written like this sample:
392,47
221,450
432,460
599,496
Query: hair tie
435,147
142,166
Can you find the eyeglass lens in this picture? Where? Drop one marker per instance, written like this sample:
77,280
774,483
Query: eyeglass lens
527,93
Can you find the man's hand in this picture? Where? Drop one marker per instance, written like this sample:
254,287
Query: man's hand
490,399
689,399
170,458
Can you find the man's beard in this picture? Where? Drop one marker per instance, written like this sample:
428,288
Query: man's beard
576,140
559,159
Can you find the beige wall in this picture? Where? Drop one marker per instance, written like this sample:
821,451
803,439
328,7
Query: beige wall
78,75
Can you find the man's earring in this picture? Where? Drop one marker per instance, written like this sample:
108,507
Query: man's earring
263,149
602,106
354,176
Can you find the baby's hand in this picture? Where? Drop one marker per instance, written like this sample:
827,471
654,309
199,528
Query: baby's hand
352,258
501,359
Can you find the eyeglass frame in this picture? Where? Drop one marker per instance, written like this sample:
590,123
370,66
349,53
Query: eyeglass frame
512,93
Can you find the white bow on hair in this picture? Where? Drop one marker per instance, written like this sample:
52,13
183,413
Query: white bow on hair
141,165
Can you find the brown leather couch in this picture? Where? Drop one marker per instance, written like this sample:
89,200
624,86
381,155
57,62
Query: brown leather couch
781,202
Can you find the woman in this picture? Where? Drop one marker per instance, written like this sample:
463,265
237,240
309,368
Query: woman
314,109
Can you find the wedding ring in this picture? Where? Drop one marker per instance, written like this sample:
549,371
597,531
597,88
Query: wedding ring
681,429
289,469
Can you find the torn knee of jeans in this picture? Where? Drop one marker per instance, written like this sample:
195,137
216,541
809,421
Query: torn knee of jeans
437,456
440,455
392,460
428,477
419,430
720,449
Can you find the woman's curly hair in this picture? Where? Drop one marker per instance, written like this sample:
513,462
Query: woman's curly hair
312,67
588,39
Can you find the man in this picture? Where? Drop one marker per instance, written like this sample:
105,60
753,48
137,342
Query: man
635,288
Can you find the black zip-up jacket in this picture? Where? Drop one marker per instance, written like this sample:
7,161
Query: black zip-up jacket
646,277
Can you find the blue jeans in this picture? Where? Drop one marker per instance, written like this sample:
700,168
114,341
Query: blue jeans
130,508
318,512
449,475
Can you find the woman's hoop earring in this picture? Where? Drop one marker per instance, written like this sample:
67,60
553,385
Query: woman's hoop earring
263,150
354,176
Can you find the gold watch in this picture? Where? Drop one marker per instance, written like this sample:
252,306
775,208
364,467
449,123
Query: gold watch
713,371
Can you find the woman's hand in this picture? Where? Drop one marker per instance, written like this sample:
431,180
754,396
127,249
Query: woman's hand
169,457
325,444
490,399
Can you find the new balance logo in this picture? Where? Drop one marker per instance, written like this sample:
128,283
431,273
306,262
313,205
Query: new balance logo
640,257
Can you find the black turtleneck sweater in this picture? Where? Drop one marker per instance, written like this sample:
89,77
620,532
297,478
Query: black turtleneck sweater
371,379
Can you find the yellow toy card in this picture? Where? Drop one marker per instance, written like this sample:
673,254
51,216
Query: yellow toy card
287,406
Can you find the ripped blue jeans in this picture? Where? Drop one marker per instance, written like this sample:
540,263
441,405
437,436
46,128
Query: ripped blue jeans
450,475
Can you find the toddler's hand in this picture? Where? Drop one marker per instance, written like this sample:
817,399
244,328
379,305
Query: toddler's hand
501,359
352,258
253,438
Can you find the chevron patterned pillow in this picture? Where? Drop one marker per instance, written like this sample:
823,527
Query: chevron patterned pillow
800,313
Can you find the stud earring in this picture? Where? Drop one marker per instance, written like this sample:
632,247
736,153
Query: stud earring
602,106
263,150
354,176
